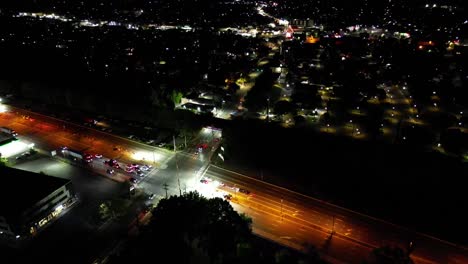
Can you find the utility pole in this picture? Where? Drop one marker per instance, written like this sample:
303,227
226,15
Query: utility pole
173,138
177,172
180,190
333,228
165,187
281,210
268,110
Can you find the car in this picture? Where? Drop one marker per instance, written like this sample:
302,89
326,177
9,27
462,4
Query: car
133,165
202,146
145,167
110,162
116,165
129,170
110,171
227,196
244,191
133,180
204,181
151,196
161,144
98,156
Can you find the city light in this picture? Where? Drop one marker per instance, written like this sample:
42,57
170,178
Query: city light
148,156
14,148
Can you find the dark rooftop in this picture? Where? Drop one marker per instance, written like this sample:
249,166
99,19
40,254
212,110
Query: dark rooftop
5,138
22,189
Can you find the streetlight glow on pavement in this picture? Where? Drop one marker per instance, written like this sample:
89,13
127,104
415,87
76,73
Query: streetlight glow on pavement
14,148
147,156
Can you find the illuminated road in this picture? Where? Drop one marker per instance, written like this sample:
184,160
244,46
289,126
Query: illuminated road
294,220
50,134
183,171
279,214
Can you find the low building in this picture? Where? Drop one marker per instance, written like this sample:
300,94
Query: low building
29,202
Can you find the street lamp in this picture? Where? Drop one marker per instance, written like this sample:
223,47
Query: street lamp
281,209
268,109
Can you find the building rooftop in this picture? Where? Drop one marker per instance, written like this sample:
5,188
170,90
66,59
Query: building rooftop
5,138
20,190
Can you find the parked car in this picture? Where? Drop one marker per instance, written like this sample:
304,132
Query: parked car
145,168
110,171
244,191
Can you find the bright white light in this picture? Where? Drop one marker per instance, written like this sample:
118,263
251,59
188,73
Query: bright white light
3,109
13,148
148,156
59,208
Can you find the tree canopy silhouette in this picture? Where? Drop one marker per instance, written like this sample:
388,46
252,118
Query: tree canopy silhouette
197,229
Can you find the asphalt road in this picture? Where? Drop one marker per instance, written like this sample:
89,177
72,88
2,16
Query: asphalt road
288,217
294,219
183,170
49,133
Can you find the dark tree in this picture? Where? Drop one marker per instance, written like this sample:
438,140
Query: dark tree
198,229
283,107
